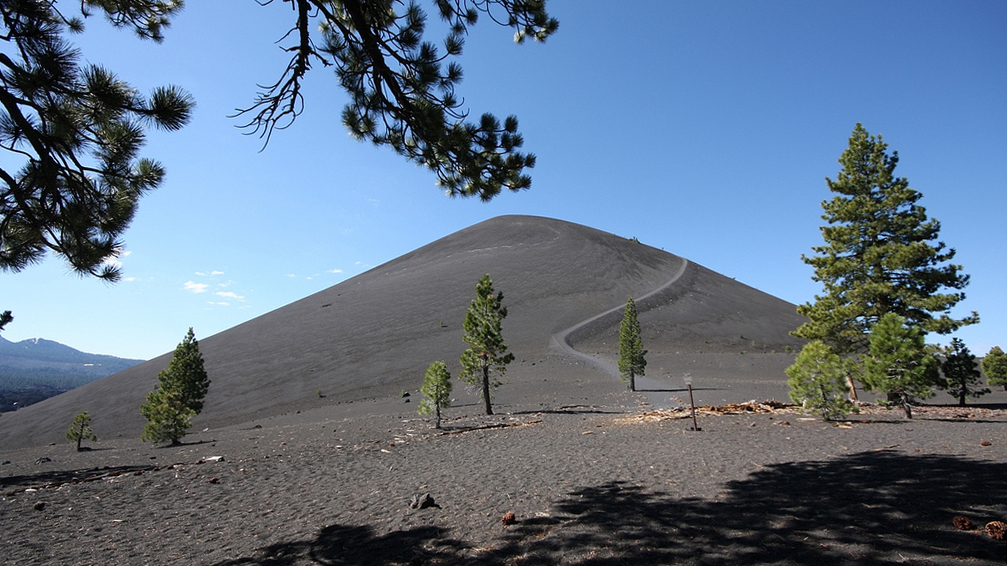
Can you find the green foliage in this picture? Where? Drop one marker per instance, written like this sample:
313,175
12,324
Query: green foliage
880,255
168,419
80,430
402,88
899,364
178,396
631,353
483,332
961,372
995,366
436,391
818,382
72,132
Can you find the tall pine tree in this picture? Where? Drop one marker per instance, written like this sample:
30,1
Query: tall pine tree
881,255
483,332
631,353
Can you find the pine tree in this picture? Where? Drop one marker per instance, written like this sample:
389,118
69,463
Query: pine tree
178,396
631,353
961,372
995,367
483,332
880,255
80,429
436,391
71,133
402,88
899,364
818,382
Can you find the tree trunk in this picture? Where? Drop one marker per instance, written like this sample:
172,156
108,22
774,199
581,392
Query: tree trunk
486,389
437,408
853,387
906,406
632,381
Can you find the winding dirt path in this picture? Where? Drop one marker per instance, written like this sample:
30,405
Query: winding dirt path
560,340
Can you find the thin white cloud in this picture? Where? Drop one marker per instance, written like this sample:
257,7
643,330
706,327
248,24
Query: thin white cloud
334,271
229,295
220,303
195,287
215,273
128,279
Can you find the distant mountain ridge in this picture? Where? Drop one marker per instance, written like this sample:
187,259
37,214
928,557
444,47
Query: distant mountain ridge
35,369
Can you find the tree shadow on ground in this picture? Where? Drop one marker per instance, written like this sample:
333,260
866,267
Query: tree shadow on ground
868,508
864,509
52,478
344,545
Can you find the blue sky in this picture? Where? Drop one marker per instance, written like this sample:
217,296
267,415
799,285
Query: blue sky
703,128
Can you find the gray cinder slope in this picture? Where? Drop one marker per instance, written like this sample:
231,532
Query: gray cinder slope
373,335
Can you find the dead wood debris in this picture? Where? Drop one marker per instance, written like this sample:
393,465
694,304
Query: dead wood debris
749,408
487,427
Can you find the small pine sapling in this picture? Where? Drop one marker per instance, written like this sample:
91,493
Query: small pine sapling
436,391
80,430
961,372
899,364
995,367
818,382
